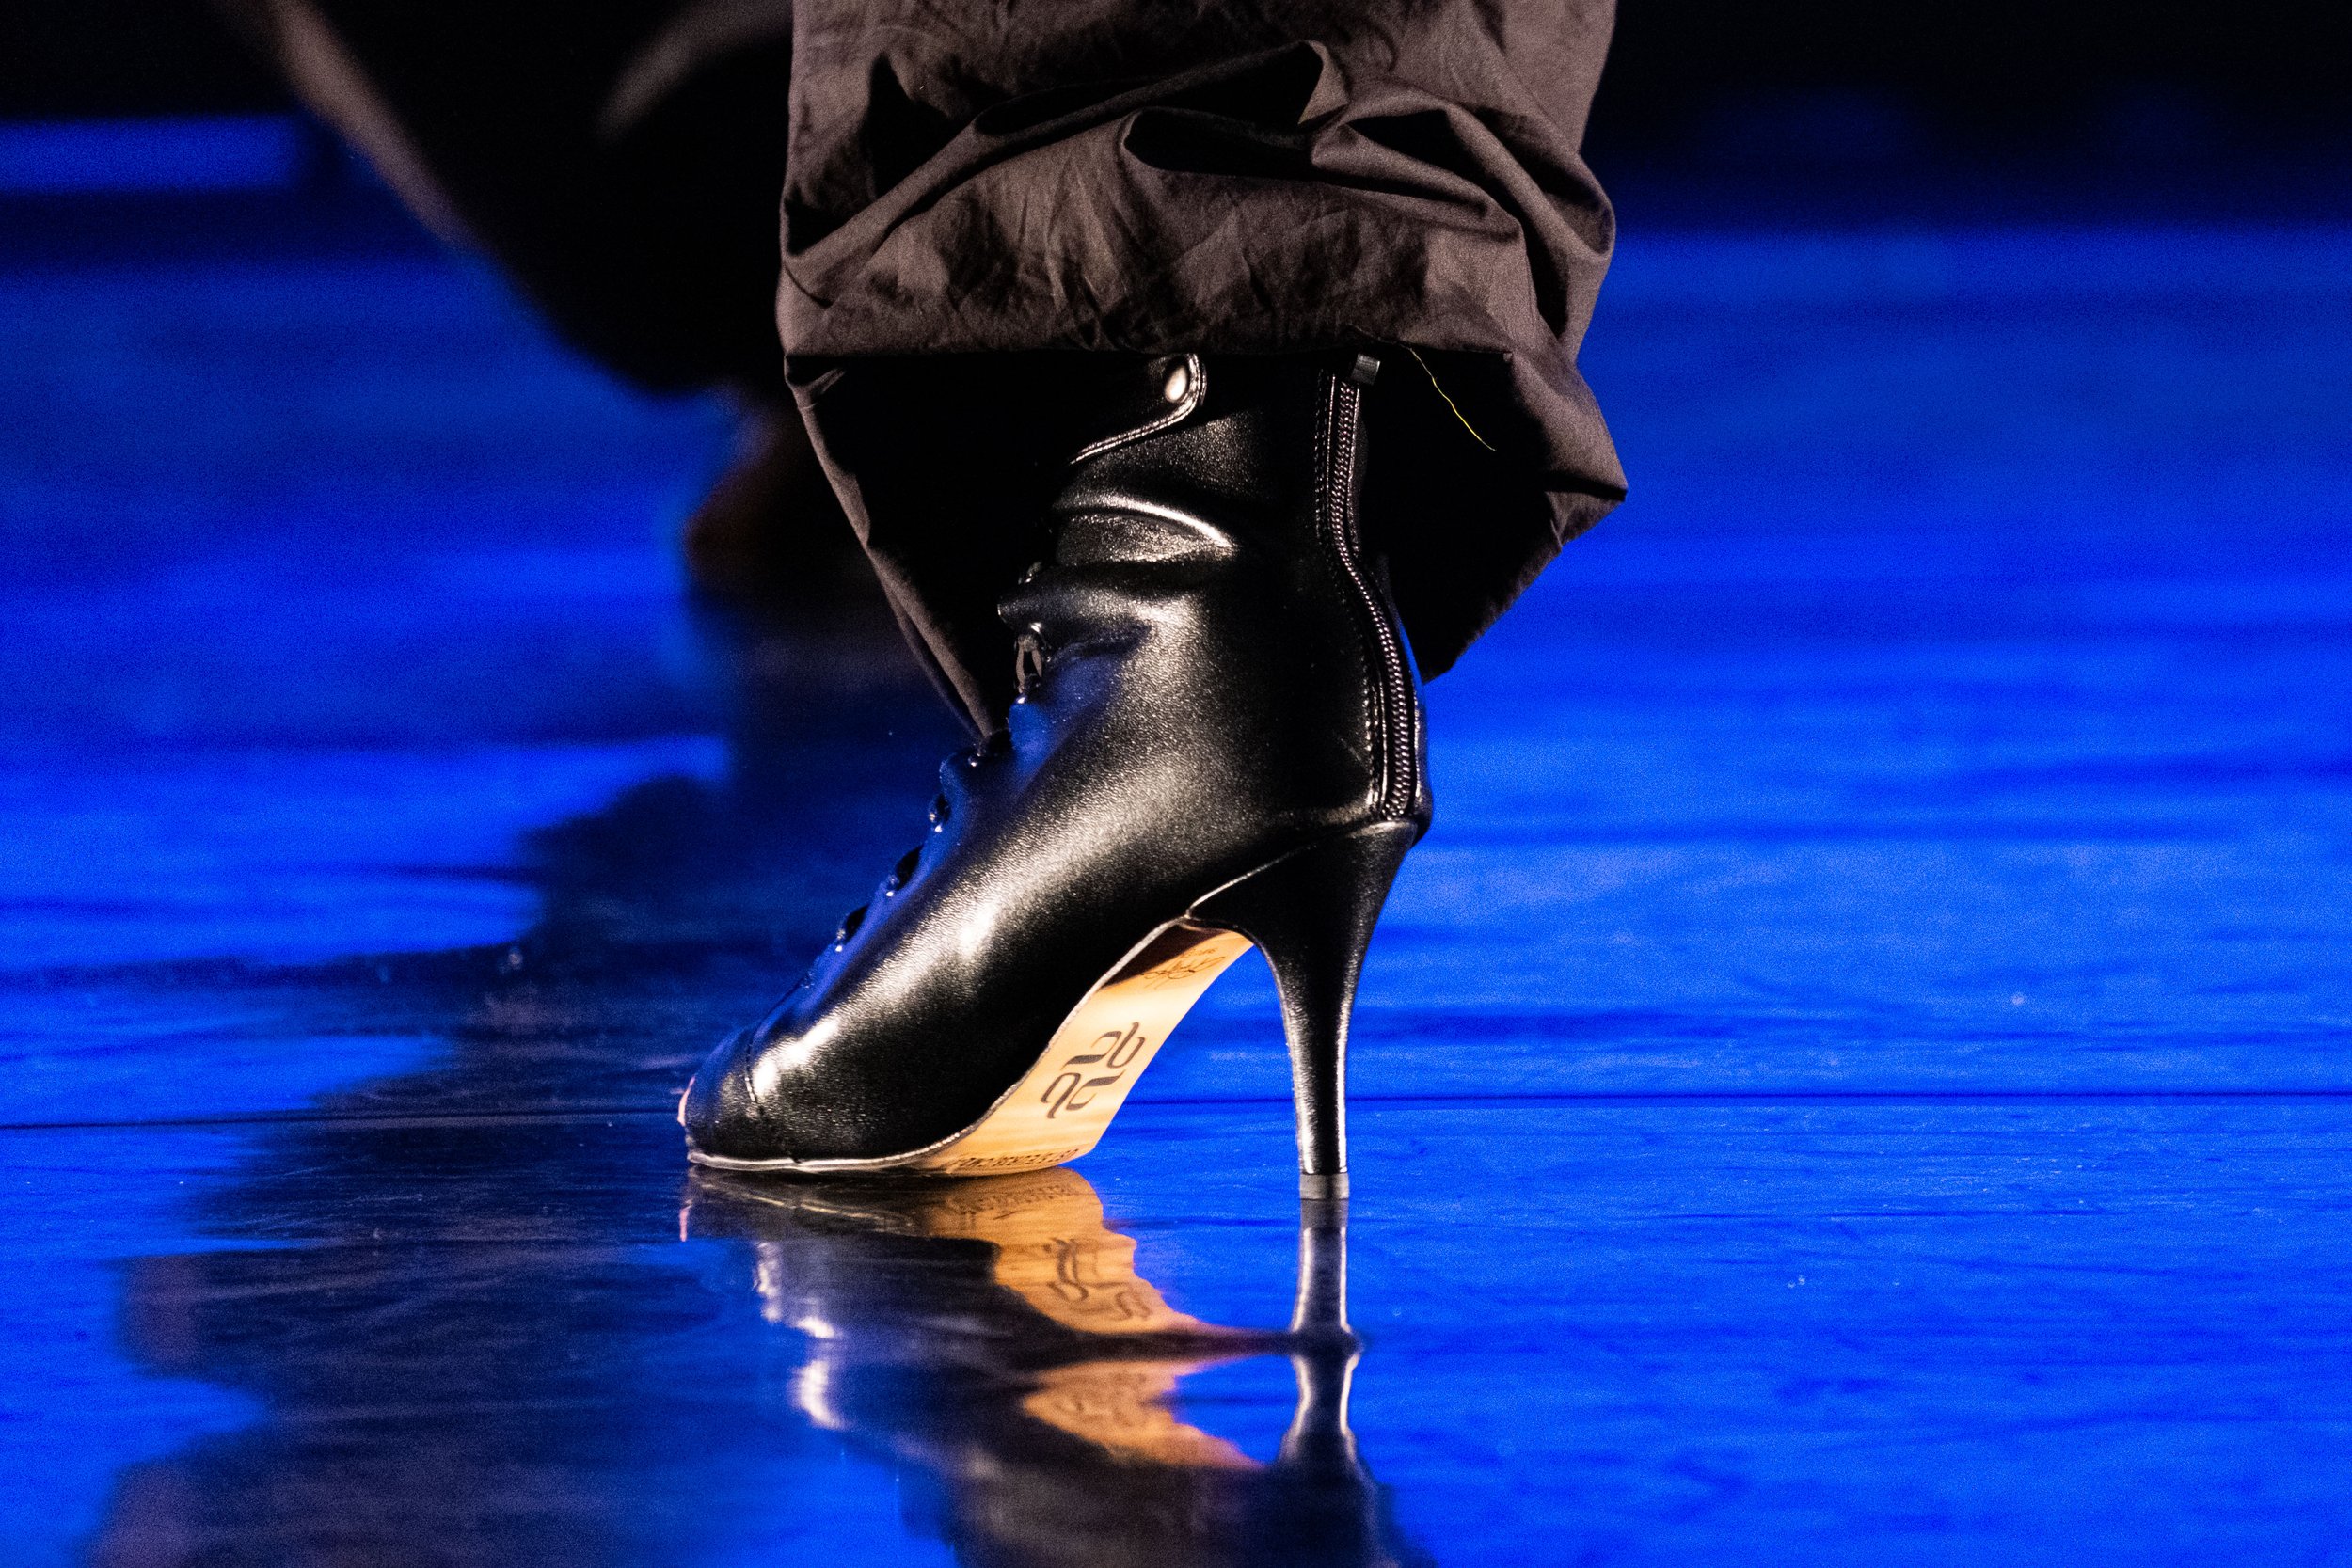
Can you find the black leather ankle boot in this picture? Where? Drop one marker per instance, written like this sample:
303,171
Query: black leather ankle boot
1217,742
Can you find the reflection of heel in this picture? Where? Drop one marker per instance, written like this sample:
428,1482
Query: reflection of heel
1311,913
1324,1360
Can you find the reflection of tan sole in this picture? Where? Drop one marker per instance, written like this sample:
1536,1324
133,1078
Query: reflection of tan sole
1064,1103
1056,1252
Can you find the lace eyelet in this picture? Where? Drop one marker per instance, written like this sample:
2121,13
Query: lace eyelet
1029,658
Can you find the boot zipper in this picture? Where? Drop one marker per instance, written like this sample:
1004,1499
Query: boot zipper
1395,734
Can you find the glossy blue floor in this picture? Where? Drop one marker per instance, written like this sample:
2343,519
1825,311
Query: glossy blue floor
1857,1074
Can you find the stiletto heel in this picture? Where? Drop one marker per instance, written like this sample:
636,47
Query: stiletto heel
1311,913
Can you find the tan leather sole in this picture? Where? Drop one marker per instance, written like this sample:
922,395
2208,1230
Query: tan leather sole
1063,1105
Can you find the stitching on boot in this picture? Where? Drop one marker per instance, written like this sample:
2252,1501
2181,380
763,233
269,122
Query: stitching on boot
1196,387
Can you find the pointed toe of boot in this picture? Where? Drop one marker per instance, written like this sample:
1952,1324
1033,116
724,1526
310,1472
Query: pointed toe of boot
721,1113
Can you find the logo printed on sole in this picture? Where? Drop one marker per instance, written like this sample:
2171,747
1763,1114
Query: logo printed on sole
1113,1052
1010,1161
1203,959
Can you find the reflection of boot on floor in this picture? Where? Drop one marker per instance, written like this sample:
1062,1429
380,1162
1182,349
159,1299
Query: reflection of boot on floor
993,1337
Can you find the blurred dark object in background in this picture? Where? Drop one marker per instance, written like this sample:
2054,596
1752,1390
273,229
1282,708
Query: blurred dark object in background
1688,76
1714,113
1994,74
76,59
1718,113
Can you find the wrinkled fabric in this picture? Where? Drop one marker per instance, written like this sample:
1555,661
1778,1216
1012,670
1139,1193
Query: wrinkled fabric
1114,176
966,184
1237,177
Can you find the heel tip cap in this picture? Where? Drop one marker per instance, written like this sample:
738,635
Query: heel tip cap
1331,1186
